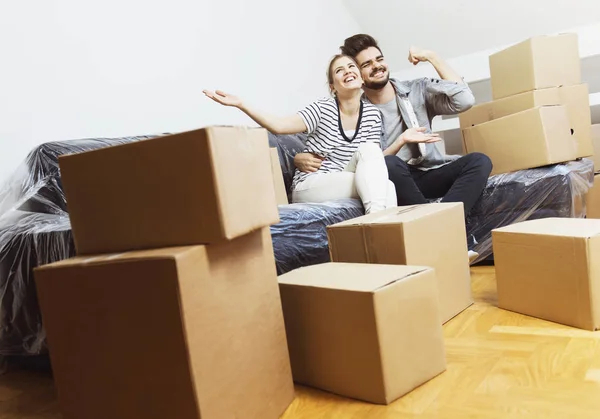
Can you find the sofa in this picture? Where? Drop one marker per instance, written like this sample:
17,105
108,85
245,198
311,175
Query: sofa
35,229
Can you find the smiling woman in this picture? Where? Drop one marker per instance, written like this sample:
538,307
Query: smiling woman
344,134
336,73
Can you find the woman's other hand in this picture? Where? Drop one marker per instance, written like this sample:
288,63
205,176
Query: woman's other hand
307,162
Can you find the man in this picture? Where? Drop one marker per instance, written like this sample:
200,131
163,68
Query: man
415,165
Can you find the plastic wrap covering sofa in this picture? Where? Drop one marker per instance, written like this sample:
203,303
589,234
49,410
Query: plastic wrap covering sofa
35,229
551,191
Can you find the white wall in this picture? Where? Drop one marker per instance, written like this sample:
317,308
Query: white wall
475,66
460,27
73,69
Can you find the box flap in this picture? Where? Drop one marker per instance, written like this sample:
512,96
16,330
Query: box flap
567,227
495,121
592,200
595,132
230,149
165,253
278,182
349,276
398,214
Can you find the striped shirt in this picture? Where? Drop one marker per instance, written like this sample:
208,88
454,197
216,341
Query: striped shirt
326,137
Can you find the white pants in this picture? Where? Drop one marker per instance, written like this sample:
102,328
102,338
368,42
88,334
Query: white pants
365,177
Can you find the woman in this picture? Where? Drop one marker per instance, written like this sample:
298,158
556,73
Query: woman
344,131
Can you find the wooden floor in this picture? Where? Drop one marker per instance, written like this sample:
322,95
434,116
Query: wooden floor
500,365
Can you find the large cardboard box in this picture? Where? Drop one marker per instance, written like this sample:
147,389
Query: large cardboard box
278,183
592,199
575,98
550,269
371,332
183,332
528,139
422,235
596,145
196,187
536,63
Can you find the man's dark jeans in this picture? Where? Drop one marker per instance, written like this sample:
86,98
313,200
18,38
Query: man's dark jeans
462,180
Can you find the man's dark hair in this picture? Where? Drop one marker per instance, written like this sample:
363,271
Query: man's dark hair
357,43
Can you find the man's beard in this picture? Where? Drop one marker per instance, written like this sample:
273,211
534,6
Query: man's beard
377,85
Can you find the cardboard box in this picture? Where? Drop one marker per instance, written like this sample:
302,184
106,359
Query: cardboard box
453,143
422,235
592,199
370,332
197,187
528,139
183,332
575,98
536,63
596,145
280,192
577,101
550,269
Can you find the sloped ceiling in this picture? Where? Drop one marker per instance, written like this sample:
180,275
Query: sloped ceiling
458,27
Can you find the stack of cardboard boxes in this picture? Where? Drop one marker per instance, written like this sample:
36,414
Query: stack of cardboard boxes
423,235
172,306
369,324
540,114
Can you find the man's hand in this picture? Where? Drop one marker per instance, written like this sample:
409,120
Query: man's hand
418,135
411,135
417,55
307,162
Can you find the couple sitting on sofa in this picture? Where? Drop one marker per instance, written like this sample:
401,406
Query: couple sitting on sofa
372,140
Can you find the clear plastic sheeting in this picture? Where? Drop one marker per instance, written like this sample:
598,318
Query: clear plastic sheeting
36,187
27,240
300,238
551,191
34,230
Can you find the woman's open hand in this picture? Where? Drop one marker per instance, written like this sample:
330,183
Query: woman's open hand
223,98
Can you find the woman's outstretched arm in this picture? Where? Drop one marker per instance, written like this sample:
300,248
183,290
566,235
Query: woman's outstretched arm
275,124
